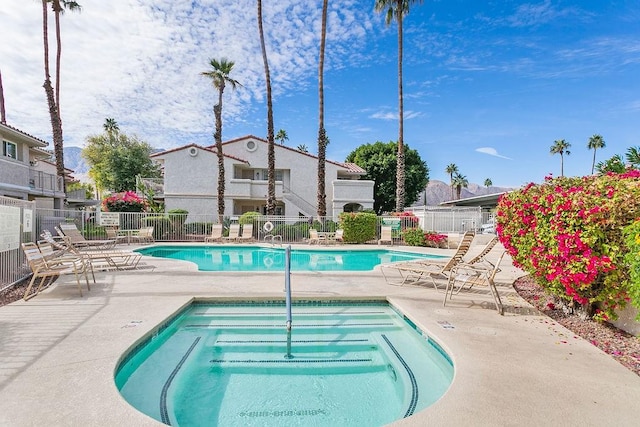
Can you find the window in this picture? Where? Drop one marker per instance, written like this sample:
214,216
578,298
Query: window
9,149
279,174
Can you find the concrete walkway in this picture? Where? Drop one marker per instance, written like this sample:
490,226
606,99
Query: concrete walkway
58,352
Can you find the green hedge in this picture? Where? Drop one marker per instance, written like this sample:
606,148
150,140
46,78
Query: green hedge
359,227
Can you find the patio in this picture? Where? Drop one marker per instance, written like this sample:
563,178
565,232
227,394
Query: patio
59,351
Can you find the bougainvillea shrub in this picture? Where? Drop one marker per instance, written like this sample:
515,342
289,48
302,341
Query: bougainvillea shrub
567,233
124,202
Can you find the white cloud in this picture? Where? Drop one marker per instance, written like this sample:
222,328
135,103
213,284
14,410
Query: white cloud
139,61
492,152
388,115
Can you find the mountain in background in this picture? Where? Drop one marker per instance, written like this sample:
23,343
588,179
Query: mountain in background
438,192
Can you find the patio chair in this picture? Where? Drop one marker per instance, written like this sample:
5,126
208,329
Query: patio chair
469,275
112,234
98,259
70,230
48,268
247,233
413,272
339,236
144,235
216,234
385,235
234,233
314,237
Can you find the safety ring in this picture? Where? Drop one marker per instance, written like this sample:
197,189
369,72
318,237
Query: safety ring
268,226
268,262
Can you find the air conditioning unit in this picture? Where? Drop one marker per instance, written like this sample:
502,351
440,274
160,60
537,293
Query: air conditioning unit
193,151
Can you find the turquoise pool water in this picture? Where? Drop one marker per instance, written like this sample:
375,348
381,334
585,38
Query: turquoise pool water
344,364
257,258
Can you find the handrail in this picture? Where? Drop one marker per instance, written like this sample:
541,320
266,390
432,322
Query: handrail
287,289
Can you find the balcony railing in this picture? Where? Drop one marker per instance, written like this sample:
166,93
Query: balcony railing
45,182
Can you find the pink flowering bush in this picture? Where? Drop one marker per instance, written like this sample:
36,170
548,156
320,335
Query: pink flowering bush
567,233
124,202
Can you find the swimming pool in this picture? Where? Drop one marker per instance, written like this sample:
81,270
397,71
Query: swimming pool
344,363
258,258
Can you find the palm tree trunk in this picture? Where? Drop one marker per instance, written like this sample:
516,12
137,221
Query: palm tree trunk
217,111
56,124
322,135
593,164
561,165
400,175
271,158
57,8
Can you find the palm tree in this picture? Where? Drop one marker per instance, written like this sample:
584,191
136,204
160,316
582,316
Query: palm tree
451,169
282,136
56,123
560,146
596,141
322,134
58,7
303,148
460,181
219,75
110,125
271,157
633,156
488,183
397,10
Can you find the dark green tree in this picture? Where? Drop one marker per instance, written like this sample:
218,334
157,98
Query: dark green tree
379,160
115,160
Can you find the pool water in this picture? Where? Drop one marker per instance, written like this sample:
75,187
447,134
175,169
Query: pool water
355,364
256,258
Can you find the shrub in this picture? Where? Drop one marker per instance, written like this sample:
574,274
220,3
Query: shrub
249,218
632,259
414,237
124,202
359,227
567,233
202,228
435,240
161,225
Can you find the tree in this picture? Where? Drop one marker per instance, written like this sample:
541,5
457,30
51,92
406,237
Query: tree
271,156
379,160
460,181
322,134
115,160
488,183
282,136
54,114
451,170
614,164
560,146
595,142
397,10
219,75
303,148
111,126
633,157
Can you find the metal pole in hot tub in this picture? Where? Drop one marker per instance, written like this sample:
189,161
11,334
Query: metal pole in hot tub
287,290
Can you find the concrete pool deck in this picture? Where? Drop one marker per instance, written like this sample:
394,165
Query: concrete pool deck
58,352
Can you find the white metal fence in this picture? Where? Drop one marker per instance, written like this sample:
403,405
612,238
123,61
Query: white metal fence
21,222
16,226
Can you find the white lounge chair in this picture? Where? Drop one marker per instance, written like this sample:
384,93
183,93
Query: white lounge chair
385,235
247,233
216,234
234,233
413,272
466,276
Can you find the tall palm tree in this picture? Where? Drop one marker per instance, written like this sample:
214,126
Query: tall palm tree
397,10
633,157
282,136
560,146
451,169
219,75
596,141
58,7
303,148
3,116
271,156
488,183
460,181
322,134
110,125
56,123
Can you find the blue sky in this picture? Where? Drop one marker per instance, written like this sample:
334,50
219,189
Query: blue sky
489,85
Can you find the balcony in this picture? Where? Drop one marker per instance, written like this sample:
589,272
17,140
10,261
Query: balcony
45,183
